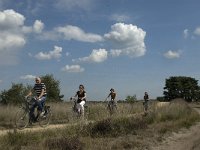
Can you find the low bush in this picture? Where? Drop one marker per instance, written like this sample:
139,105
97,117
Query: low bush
63,143
112,127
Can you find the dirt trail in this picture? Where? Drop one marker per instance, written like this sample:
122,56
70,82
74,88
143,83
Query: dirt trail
33,129
36,128
183,140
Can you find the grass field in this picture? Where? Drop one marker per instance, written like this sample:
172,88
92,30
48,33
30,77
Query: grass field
127,129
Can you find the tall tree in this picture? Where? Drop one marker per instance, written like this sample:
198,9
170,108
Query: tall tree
53,88
181,87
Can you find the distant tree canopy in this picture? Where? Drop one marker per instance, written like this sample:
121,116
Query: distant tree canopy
131,99
17,92
181,87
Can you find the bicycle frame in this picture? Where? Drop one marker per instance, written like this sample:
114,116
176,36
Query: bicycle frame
23,118
74,107
75,111
111,106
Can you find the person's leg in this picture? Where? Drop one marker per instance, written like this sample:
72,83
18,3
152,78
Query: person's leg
78,107
115,104
40,105
32,109
146,107
82,103
110,106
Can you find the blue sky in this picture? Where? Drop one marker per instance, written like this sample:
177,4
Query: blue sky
129,45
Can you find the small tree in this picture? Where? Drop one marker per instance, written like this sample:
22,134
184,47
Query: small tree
131,99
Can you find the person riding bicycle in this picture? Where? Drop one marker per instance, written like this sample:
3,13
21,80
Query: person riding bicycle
145,103
112,95
81,94
38,101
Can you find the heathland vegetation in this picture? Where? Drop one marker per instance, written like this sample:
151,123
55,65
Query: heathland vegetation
128,128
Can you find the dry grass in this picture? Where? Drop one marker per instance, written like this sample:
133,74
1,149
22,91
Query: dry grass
62,112
7,115
124,130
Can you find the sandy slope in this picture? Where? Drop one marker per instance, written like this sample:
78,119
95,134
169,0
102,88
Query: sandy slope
183,140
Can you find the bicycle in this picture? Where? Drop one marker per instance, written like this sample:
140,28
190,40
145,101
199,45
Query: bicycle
111,107
78,114
23,119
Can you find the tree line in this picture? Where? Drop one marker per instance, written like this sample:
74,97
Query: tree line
175,87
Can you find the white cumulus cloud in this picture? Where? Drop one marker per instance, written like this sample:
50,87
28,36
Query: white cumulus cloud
11,19
128,40
10,28
38,26
13,35
70,32
9,41
73,68
54,54
172,54
96,56
28,77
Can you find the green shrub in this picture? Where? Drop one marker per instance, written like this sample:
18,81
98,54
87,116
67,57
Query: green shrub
63,143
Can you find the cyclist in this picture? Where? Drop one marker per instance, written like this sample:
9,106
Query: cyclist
81,94
112,95
38,101
145,103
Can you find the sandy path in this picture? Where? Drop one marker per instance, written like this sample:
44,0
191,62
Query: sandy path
36,128
183,140
33,129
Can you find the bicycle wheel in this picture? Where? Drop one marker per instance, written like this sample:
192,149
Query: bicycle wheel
21,119
45,119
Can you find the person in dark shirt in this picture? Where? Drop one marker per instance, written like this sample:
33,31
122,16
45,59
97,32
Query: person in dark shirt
81,94
39,90
112,96
145,103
